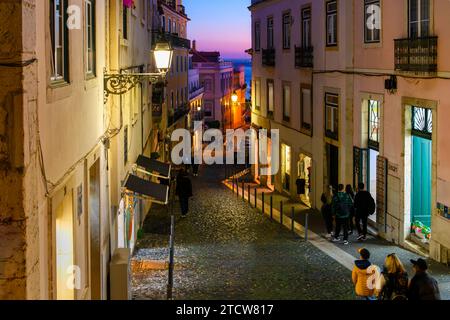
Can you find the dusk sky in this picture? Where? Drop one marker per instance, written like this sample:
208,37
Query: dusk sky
220,25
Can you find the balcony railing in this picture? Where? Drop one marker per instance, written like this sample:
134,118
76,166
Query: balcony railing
416,55
304,57
195,92
173,39
179,113
268,57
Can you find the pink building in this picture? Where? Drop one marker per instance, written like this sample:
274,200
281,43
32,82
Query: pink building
358,90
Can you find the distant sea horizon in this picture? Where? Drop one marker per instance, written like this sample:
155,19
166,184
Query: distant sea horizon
247,64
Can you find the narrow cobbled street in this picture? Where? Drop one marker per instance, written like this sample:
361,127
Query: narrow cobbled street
225,250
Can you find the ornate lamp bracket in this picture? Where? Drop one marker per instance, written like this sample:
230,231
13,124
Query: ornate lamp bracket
121,83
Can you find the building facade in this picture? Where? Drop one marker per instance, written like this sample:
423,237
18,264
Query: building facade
216,76
356,89
69,142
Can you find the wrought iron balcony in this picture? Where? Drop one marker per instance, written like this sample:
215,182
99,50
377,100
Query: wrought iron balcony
268,57
174,40
304,57
178,113
416,55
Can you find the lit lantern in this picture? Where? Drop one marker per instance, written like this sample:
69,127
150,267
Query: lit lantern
234,97
163,56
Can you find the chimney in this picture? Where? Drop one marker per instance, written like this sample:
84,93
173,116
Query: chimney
194,45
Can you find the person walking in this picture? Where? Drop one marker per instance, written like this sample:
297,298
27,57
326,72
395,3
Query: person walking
362,274
184,191
327,212
422,285
393,283
364,207
342,204
351,224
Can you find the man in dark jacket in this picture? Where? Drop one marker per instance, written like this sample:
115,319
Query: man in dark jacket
423,286
184,191
342,204
364,203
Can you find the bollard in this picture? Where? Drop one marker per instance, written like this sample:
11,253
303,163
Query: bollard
263,204
256,198
248,194
292,219
243,190
306,226
281,212
271,207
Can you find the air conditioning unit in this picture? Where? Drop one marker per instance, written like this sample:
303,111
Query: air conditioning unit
120,273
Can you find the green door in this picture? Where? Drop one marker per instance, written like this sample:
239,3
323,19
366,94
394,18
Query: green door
421,180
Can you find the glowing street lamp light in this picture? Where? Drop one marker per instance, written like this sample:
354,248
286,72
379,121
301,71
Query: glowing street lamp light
234,97
163,57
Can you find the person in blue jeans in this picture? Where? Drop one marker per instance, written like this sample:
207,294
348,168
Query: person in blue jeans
184,191
342,204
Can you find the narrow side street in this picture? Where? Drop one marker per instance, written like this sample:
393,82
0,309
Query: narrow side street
225,250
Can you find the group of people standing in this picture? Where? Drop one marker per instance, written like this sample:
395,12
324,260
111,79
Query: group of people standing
393,282
342,209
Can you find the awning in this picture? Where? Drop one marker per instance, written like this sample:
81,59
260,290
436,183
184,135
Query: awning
157,192
161,169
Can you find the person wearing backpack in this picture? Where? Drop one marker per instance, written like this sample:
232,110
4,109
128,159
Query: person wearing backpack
364,207
342,204
393,283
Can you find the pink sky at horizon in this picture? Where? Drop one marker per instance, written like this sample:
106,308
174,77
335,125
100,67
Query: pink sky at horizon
220,25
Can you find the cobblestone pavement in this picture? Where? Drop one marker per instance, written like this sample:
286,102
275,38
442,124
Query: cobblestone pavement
225,250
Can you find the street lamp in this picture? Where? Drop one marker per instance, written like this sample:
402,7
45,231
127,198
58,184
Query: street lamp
121,83
234,97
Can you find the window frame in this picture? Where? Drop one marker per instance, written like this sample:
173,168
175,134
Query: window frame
287,116
286,30
90,42
374,123
270,33
257,34
270,110
55,77
258,94
420,19
335,108
373,40
306,43
330,13
307,128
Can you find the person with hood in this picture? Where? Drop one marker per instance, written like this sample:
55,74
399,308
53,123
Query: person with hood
184,191
342,204
362,275
423,286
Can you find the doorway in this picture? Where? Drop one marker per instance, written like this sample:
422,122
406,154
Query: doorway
304,171
332,166
64,249
286,167
94,223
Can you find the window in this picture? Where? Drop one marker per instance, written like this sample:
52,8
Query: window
163,23
286,31
169,25
419,18
125,22
422,122
178,64
372,21
60,40
306,27
257,94
332,33
270,33
306,109
286,102
270,97
286,167
208,85
90,36
208,109
332,115
257,36
374,124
